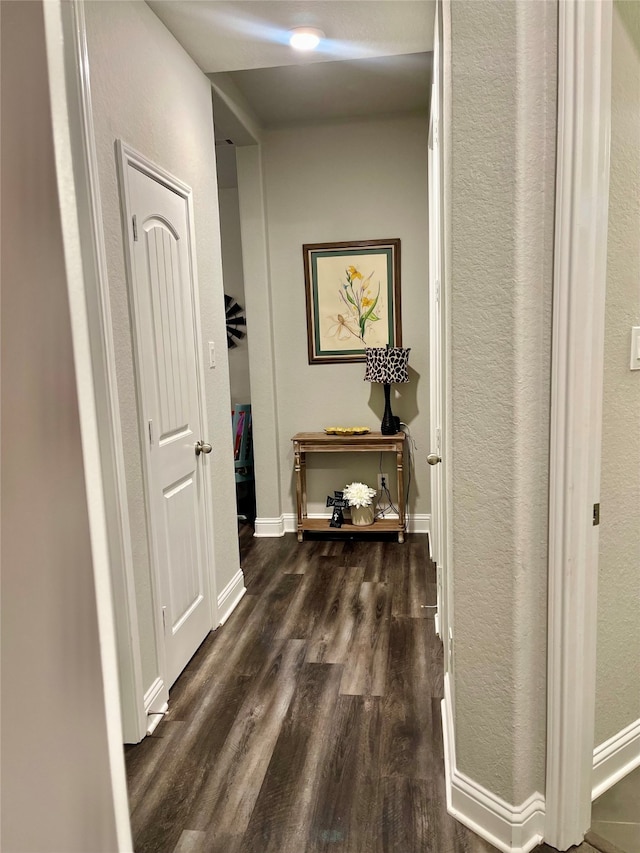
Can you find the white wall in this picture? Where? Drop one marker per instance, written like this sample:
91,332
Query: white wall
618,649
502,84
357,180
234,286
56,778
147,91
255,261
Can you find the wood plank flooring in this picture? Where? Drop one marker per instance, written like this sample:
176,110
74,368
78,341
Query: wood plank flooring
310,722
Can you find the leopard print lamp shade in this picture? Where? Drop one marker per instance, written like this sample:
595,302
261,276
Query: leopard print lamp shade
387,365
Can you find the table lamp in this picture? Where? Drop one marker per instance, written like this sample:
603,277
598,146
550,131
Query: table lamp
387,365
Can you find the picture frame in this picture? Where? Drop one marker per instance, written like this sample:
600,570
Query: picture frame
353,298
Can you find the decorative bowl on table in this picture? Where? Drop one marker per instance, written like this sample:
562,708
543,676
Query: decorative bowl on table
355,430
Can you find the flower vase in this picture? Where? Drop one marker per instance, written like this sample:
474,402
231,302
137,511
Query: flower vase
362,516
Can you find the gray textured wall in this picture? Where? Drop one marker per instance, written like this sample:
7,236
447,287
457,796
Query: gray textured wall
618,651
147,91
56,774
358,180
502,166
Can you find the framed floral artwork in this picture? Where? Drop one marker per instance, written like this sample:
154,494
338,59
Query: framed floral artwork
353,298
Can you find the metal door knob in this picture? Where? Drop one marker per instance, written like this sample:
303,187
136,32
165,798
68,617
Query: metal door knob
202,447
433,459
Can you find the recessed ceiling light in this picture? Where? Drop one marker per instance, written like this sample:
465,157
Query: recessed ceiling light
305,38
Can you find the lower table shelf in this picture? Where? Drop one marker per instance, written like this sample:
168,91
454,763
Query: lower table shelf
380,525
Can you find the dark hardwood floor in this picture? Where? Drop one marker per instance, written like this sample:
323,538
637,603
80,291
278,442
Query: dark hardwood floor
310,722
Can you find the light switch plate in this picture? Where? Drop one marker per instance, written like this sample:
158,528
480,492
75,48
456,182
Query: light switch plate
212,354
635,348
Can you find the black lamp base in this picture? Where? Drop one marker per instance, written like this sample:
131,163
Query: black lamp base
390,423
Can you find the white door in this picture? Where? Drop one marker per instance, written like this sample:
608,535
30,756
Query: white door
171,415
437,343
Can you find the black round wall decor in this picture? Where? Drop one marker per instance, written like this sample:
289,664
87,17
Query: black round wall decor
235,317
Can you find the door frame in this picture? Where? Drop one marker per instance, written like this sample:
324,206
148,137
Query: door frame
440,395
433,186
580,256
126,157
126,628
76,167
125,632
247,136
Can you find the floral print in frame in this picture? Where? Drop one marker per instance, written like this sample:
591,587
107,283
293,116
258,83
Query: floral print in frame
353,298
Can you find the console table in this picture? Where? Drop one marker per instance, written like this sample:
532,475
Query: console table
372,442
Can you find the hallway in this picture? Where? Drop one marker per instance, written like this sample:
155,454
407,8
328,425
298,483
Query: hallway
311,720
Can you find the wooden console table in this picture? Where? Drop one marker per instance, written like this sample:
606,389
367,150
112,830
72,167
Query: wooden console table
372,442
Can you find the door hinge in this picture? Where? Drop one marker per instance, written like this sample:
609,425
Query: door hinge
437,291
164,619
596,514
150,433
438,440
135,228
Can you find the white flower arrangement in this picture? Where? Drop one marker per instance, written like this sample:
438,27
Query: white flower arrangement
359,494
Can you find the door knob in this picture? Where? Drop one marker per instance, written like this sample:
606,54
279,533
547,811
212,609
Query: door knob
202,447
433,459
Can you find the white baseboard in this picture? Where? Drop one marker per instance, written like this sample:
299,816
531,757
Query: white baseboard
615,758
512,829
154,718
265,527
230,596
151,697
417,523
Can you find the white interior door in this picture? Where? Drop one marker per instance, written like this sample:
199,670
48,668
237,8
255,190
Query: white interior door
437,343
171,412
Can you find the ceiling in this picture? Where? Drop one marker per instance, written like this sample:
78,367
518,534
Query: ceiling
375,60
294,94
236,35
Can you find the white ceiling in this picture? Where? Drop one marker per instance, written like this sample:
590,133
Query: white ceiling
375,59
325,91
236,35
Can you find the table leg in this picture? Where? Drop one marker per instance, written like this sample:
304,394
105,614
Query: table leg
301,487
401,500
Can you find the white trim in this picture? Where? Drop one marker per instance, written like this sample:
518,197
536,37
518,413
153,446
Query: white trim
416,522
419,522
152,694
439,338
64,34
615,758
231,596
104,377
582,189
266,527
155,718
446,154
512,829
204,422
156,693
128,156
122,160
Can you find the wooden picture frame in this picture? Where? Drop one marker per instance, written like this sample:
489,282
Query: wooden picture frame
353,298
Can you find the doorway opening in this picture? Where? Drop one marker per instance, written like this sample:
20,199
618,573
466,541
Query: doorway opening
237,330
